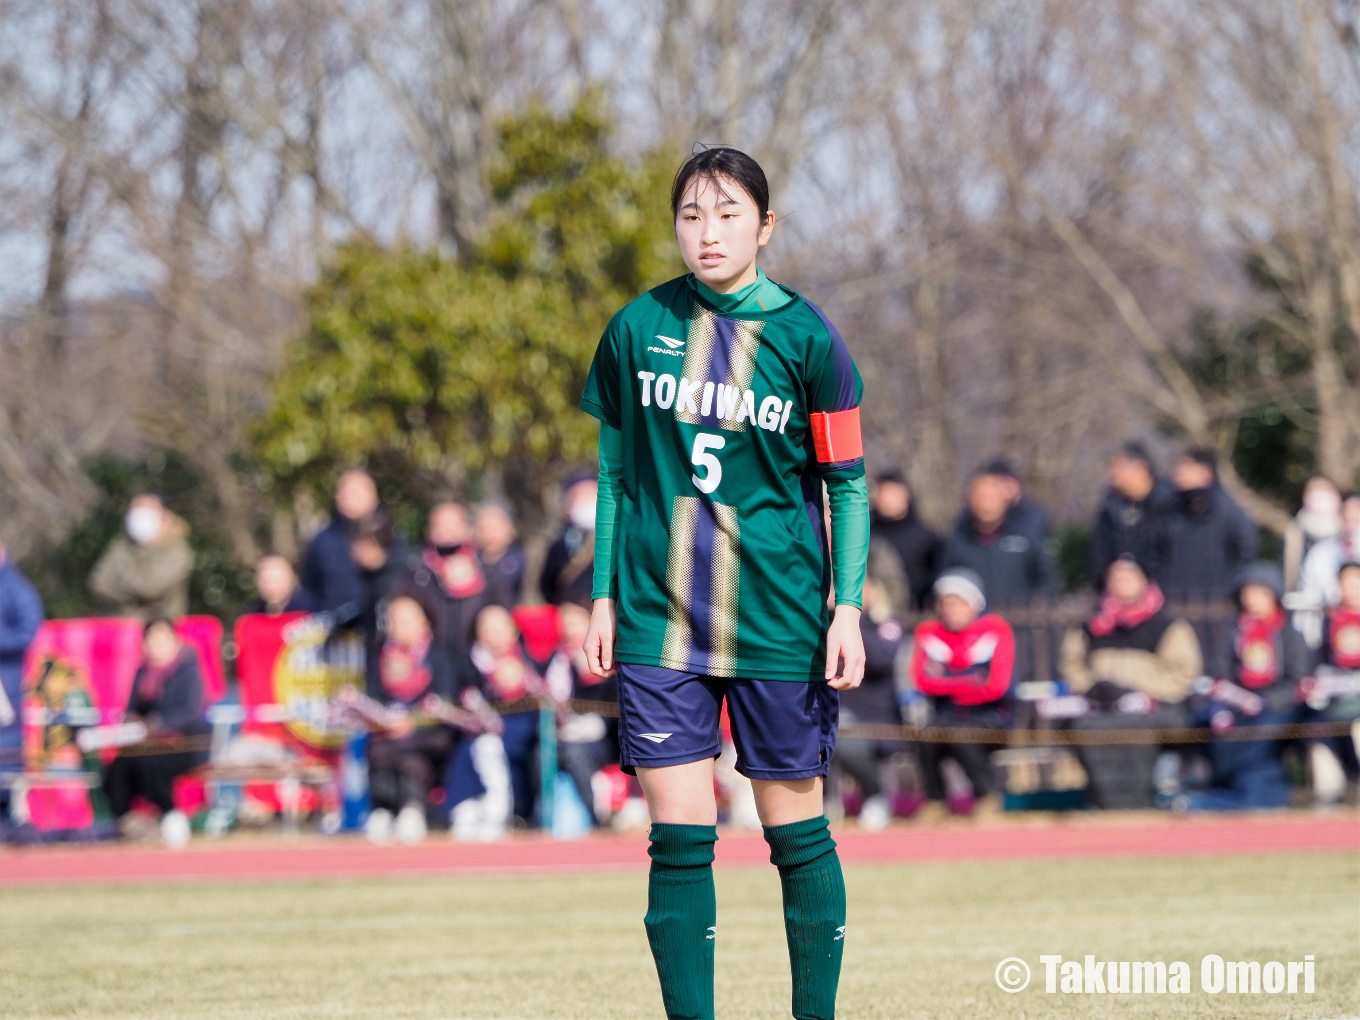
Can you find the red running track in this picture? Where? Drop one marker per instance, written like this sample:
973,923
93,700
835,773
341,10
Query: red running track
350,857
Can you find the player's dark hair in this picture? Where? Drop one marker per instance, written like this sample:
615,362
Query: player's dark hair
716,165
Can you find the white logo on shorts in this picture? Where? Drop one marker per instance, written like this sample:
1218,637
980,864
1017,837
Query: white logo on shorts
655,738
841,935
712,932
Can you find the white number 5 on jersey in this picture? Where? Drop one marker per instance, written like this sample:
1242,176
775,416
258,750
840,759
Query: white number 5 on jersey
701,458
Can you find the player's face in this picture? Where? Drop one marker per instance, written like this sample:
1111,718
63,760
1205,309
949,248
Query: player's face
720,230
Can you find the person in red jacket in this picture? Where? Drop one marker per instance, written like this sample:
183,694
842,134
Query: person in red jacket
962,661
1340,652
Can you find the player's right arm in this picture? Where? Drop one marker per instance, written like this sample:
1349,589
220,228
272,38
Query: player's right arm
603,400
599,646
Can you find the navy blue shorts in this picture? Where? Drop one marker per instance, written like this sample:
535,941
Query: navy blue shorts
782,729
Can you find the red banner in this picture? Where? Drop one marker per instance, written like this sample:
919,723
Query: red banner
91,663
298,662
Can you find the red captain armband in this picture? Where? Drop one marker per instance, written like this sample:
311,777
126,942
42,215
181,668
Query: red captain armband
835,436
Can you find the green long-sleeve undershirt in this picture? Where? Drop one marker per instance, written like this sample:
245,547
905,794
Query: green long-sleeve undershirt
848,499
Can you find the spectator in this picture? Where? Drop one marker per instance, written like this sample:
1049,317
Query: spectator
1318,520
145,572
1132,510
404,760
449,569
21,614
962,662
1321,569
506,676
586,741
167,697
873,702
330,576
501,557
1267,659
568,569
382,560
999,545
1335,757
894,519
1135,664
1024,515
276,585
1206,539
1341,647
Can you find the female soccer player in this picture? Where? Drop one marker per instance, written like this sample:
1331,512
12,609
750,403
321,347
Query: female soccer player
725,402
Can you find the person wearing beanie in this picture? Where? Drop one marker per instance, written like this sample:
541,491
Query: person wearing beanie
1135,663
1267,658
962,661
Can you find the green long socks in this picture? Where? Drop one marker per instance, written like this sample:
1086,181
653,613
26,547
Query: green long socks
682,915
814,912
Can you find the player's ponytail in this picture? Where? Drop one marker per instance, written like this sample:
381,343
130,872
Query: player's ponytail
719,164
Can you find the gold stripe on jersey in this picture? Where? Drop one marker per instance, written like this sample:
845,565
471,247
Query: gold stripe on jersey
703,331
741,365
722,657
678,642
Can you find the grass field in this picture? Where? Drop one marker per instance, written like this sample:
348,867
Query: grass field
924,941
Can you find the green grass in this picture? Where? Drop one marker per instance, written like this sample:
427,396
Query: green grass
923,941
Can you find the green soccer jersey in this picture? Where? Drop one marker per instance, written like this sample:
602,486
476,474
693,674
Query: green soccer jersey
730,424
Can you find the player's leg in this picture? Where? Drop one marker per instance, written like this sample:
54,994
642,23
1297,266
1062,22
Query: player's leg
785,734
668,738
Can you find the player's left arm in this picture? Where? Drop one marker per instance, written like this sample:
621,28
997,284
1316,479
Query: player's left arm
848,500
834,392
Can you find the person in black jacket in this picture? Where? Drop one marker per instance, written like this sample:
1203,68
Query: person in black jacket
501,556
894,520
568,568
384,561
330,576
586,741
277,588
1023,515
167,697
448,569
404,760
1130,514
1206,539
874,702
1003,548
1267,658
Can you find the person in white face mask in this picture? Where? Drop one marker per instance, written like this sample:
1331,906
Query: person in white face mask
145,571
1318,586
569,565
1318,519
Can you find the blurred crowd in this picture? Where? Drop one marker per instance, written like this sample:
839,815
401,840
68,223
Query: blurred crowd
1190,630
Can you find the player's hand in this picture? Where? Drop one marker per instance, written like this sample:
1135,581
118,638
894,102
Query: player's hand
844,650
599,646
